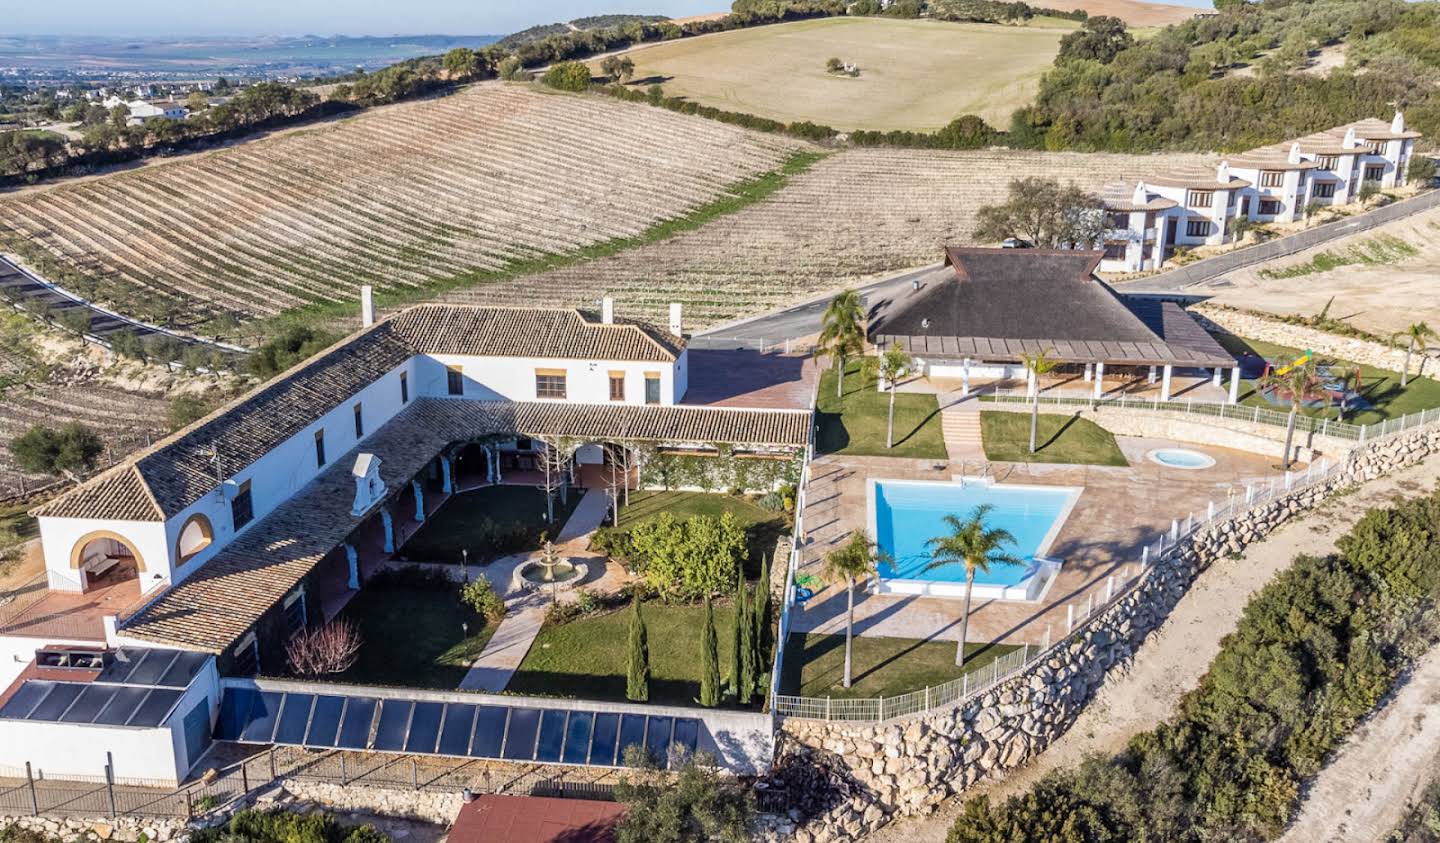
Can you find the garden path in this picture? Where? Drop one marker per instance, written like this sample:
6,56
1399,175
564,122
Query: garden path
525,610
1174,658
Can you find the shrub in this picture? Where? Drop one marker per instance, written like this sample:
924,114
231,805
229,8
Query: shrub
834,65
688,559
479,595
324,650
75,319
126,343
297,343
1369,190
71,450
1421,171
186,408
281,826
698,803
567,76
637,660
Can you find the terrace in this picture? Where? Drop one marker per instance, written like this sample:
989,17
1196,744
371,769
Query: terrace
29,607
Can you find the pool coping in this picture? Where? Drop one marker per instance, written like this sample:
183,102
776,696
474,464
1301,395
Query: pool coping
1032,587
1211,461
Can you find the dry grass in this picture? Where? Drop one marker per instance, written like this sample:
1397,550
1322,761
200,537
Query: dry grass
855,215
915,74
396,198
1133,12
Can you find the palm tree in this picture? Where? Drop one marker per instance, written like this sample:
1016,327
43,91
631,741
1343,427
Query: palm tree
1037,364
1415,337
895,364
1349,379
842,333
855,559
972,545
1302,383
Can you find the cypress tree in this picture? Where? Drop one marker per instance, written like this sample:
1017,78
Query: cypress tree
735,641
709,660
637,674
744,620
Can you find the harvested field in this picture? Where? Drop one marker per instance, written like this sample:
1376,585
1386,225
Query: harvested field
123,420
858,214
914,74
1133,12
1382,298
397,198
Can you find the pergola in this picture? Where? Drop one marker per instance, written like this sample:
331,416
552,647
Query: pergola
1002,305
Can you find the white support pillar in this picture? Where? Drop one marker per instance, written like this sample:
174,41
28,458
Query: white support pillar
388,523
419,501
1165,382
965,378
1150,378
494,463
446,472
352,557
1235,385
1215,381
1099,380
1089,372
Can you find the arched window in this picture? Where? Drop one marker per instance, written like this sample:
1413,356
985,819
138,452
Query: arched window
194,537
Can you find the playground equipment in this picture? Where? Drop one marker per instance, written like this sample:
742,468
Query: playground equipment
1295,364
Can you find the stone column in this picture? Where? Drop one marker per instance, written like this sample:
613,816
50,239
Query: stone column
1235,385
1165,382
419,490
1150,378
1099,380
1089,371
1215,381
389,524
447,485
353,558
494,463
965,378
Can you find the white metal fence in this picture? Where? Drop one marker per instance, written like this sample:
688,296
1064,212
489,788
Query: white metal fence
1240,499
1236,412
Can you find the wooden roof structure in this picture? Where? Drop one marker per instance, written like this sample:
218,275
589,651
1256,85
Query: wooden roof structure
1003,304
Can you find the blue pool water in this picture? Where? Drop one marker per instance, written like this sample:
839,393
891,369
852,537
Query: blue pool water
909,514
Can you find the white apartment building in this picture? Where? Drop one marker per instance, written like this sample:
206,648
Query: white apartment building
1276,183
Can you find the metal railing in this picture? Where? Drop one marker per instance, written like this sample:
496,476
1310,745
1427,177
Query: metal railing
1236,412
1241,498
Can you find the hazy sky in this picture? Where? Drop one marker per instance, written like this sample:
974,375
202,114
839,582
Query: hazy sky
326,17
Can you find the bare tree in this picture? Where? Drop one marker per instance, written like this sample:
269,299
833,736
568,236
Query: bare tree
555,471
324,650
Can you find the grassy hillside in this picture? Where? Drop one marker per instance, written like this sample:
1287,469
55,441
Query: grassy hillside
914,74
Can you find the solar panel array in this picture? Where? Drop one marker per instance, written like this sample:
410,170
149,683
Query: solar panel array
554,736
91,703
155,668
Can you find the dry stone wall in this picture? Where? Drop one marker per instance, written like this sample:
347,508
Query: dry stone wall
910,765
1323,343
122,829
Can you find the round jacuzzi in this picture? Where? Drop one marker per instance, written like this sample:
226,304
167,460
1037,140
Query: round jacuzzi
1181,458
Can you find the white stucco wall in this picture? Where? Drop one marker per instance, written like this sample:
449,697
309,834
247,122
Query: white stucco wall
17,651
513,378
57,750
58,537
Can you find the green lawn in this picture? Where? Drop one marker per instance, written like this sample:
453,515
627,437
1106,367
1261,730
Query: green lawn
762,526
1058,439
414,637
881,667
1379,386
585,658
856,426
491,521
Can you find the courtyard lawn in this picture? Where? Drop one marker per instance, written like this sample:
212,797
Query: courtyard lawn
762,526
1058,439
856,425
490,521
814,665
1380,387
585,658
414,637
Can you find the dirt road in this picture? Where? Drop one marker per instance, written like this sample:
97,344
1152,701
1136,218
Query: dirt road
1173,660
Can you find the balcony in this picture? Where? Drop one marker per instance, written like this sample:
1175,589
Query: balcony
33,609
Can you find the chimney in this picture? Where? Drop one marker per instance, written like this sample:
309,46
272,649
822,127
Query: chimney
675,325
367,305
1294,153
1397,123
1222,173
1139,196
1350,138
607,310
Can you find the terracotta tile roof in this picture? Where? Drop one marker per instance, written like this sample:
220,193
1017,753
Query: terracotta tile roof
223,599
1196,178
177,471
1121,197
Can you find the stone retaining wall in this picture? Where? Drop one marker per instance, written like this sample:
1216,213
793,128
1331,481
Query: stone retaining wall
123,829
439,807
908,766
1253,326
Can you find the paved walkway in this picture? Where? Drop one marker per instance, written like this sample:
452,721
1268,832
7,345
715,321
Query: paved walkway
525,610
960,426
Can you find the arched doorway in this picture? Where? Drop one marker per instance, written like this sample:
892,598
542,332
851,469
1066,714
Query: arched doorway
472,466
103,559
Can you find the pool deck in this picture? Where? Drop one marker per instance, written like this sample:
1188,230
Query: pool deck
1119,511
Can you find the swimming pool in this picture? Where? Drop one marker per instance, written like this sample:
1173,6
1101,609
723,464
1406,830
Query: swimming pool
906,514
1181,458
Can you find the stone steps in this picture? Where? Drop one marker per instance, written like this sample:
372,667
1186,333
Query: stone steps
963,438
